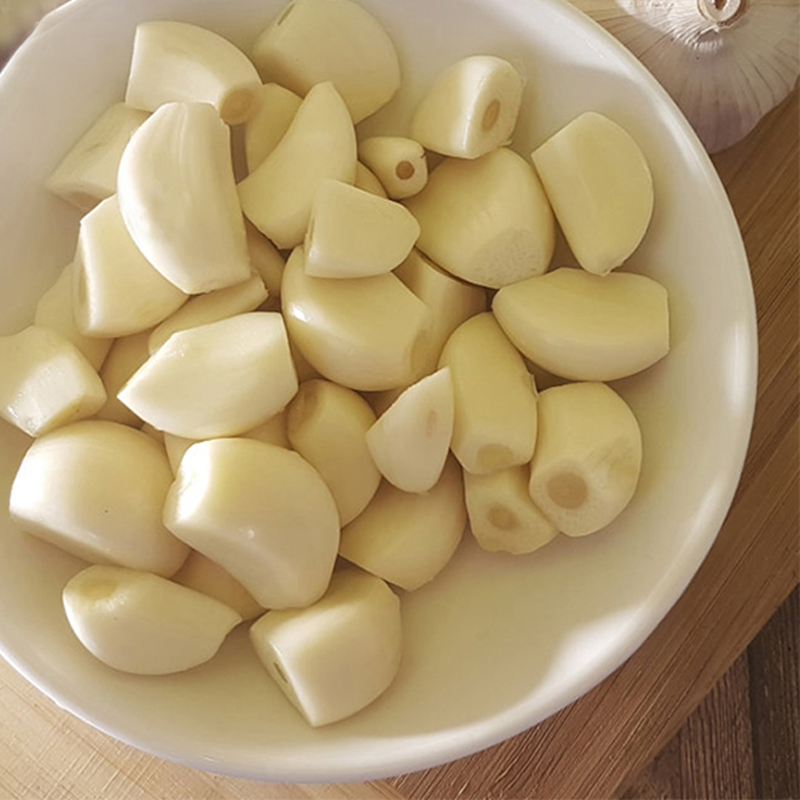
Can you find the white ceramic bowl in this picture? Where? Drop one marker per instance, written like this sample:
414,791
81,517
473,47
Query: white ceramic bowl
495,643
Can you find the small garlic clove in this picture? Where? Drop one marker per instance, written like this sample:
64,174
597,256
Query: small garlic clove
399,164
124,358
263,131
368,181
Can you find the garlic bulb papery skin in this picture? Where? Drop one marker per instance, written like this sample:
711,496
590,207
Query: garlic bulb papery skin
726,63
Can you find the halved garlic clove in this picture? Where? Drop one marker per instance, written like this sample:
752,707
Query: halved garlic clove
367,334
368,181
588,457
144,624
486,221
219,379
407,539
179,62
45,381
337,656
261,512
411,440
599,185
320,144
277,108
354,234
266,261
273,431
398,163
97,490
178,198
587,327
88,173
175,447
313,41
495,405
327,425
125,357
471,108
502,516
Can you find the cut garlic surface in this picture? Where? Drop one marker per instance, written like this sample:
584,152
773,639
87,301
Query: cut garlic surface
368,181
277,107
124,358
399,164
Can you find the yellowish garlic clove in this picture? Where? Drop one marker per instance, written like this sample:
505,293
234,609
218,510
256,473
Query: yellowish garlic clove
277,109
368,181
273,431
267,262
124,358
175,447
154,433
399,164
305,372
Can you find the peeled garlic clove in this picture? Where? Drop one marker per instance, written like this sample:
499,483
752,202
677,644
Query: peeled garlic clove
495,406
470,109
327,425
266,260
55,311
587,327
354,234
588,457
398,163
220,379
209,578
45,381
178,62
337,656
263,131
368,181
143,624
365,333
88,173
178,198
273,431
320,144
407,539
502,515
313,41
599,185
125,357
262,513
486,221
175,447
97,490
411,440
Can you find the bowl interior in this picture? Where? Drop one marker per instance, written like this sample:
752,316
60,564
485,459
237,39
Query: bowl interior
495,643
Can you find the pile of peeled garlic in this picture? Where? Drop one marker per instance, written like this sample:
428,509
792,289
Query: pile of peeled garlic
232,386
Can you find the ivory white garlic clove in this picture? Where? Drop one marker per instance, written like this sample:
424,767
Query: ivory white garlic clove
266,260
273,431
486,221
355,234
313,41
470,109
320,143
495,405
263,131
368,181
327,425
97,490
398,163
599,185
587,327
178,198
144,624
219,379
262,513
125,357
337,656
179,62
588,457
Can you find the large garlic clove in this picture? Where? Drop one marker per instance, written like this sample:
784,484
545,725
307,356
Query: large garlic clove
55,311
470,109
178,62
408,539
88,173
399,164
209,578
97,490
320,144
313,41
267,262
600,188
125,357
261,512
178,198
220,379
587,327
495,405
486,221
337,656
144,624
411,440
588,457
45,381
327,424
354,234
368,334
502,515
269,124
368,181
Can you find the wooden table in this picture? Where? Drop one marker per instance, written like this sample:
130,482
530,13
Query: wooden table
591,747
